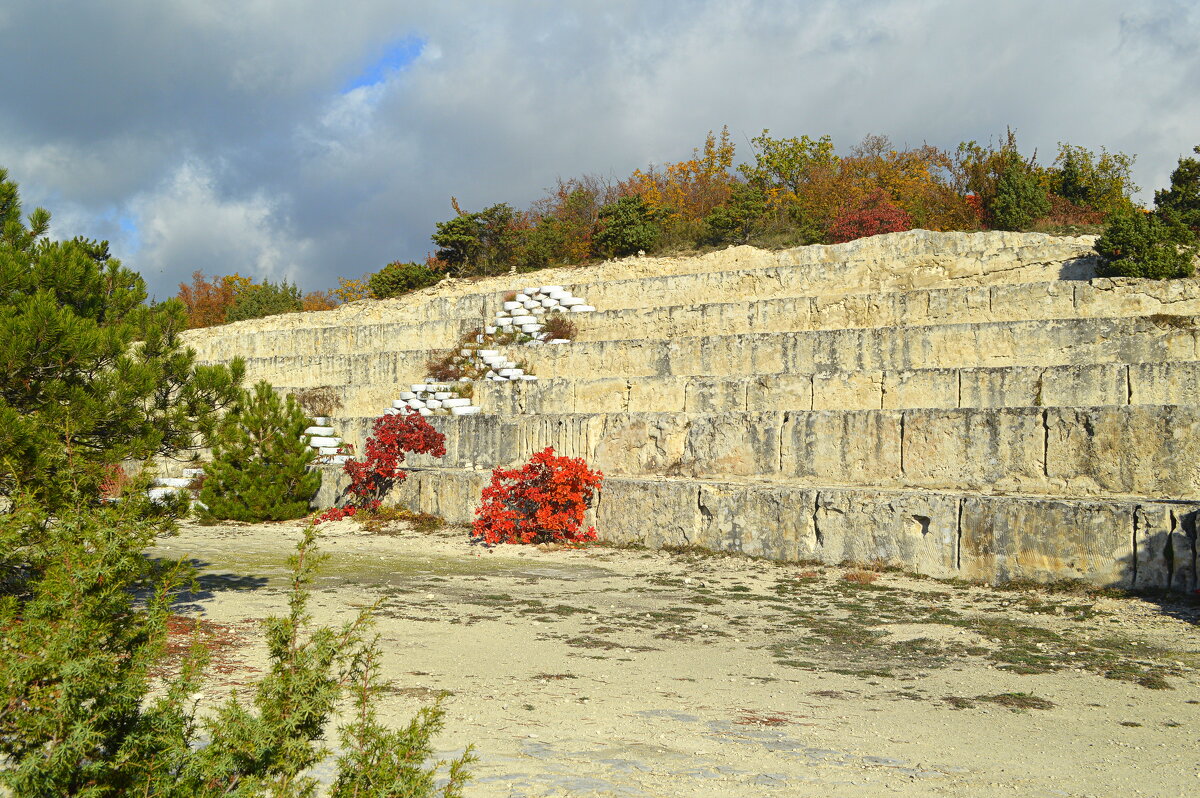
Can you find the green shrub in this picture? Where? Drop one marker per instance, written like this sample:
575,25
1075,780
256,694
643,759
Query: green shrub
1183,197
625,227
401,278
260,467
1019,199
1141,244
265,299
84,615
733,222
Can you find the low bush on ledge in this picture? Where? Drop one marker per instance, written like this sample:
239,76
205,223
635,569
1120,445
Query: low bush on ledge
544,501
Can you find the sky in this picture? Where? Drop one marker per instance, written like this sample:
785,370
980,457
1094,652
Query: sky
307,140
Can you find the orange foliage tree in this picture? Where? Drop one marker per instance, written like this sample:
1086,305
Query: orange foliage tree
688,190
208,301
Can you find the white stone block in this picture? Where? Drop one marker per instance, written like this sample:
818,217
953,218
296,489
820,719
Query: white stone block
433,404
530,291
529,377
546,289
466,410
391,411
425,411
326,450
437,386
559,341
512,305
538,311
549,303
400,403
519,320
559,295
480,339
458,402
320,421
520,298
443,395
172,482
319,431
509,364
406,395
339,459
530,328
192,473
534,342
464,379
489,329
158,495
419,387
416,404
582,308
511,372
506,328
572,301
485,353
318,441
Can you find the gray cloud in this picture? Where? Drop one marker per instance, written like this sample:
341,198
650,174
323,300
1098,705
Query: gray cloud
219,136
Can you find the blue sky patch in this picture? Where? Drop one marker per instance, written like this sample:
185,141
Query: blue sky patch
396,57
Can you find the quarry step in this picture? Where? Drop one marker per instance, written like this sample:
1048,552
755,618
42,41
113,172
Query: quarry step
1059,299
1116,542
319,431
992,344
1171,383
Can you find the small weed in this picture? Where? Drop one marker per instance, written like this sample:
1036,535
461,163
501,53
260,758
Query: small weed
1017,700
1131,724
554,677
860,577
557,325
959,702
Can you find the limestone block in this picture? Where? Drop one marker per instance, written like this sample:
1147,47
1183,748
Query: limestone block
848,390
640,443
581,308
928,388
1043,540
732,444
654,513
456,402
328,450
657,394
1165,539
465,410
987,450
760,521
605,395
851,448
1082,386
1164,383
1001,387
1055,300
323,440
779,392
433,404
1140,450
914,531
716,395
406,395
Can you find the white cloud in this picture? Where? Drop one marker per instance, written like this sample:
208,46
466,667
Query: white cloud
187,225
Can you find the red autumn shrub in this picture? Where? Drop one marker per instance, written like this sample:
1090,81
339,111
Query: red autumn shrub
372,478
114,481
541,502
874,215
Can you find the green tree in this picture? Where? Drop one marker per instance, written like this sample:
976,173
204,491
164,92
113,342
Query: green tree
92,374
260,469
733,222
1019,199
1183,197
263,299
486,242
401,278
625,227
1140,244
1101,183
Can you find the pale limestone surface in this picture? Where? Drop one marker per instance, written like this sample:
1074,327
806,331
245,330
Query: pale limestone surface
956,404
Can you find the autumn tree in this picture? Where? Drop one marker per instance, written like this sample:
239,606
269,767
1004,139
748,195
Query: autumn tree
208,300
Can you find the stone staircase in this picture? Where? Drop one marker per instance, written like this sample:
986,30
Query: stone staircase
970,405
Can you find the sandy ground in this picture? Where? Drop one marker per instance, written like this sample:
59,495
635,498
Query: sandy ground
623,672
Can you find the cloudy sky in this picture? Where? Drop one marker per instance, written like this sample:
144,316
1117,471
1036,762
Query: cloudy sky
312,140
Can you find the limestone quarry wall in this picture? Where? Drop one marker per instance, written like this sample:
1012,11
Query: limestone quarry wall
960,405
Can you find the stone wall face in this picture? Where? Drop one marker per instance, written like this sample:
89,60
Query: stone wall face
960,405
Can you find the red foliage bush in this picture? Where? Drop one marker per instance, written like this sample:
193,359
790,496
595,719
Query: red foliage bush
114,481
874,215
371,479
541,502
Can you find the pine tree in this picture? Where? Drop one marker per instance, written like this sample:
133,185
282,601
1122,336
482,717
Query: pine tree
1019,199
260,467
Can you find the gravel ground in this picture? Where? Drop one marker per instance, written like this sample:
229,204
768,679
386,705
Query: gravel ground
624,672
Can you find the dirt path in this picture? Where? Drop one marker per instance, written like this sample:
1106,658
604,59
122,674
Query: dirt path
609,672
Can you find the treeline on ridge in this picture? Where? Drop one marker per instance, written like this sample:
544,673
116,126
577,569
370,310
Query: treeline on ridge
791,192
